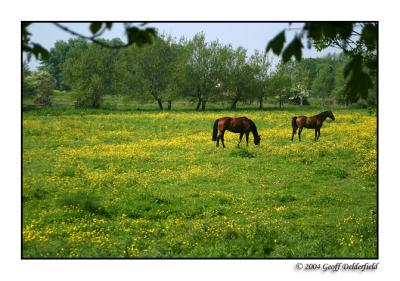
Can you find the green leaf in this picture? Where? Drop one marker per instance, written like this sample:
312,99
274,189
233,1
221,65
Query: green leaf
276,44
109,25
140,37
95,27
39,52
328,30
293,49
359,82
369,35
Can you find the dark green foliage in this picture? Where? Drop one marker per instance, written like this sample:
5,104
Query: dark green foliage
140,37
276,44
90,73
358,80
95,26
293,49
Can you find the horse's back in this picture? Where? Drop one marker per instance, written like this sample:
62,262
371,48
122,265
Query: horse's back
307,122
236,125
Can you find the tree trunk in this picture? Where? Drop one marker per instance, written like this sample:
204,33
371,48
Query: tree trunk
160,104
233,105
96,101
203,105
198,105
169,105
261,103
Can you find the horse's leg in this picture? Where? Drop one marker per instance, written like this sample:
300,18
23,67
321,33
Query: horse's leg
316,131
222,139
247,138
300,129
240,138
319,133
293,133
219,137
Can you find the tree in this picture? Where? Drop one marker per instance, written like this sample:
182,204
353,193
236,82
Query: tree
177,79
358,41
57,57
280,83
204,69
261,66
324,83
240,74
90,73
42,83
156,65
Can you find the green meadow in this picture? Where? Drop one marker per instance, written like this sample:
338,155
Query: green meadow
147,184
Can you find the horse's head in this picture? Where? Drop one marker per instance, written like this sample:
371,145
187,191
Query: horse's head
330,115
257,140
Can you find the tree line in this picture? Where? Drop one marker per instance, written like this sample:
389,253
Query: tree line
170,70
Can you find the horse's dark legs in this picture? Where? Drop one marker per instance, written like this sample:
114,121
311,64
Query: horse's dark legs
240,138
247,138
316,131
220,137
293,133
300,129
222,140
319,133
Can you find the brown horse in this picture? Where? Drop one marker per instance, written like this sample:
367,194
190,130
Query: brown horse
313,122
241,125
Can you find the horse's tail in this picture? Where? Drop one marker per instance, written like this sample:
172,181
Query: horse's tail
294,124
215,130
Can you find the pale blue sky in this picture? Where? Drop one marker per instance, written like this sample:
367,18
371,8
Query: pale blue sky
252,36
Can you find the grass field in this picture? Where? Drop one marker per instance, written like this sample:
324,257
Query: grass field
153,185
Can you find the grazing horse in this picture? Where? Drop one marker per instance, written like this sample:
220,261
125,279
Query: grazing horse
241,125
313,122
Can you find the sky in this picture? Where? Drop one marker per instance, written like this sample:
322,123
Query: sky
250,35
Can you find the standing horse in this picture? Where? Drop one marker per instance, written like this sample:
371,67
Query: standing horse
241,125
313,122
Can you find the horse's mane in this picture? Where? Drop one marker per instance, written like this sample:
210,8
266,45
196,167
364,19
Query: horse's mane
324,113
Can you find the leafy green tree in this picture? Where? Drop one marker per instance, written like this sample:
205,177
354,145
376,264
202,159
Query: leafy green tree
90,73
280,84
260,66
239,77
42,84
324,83
177,84
204,69
157,64
57,57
